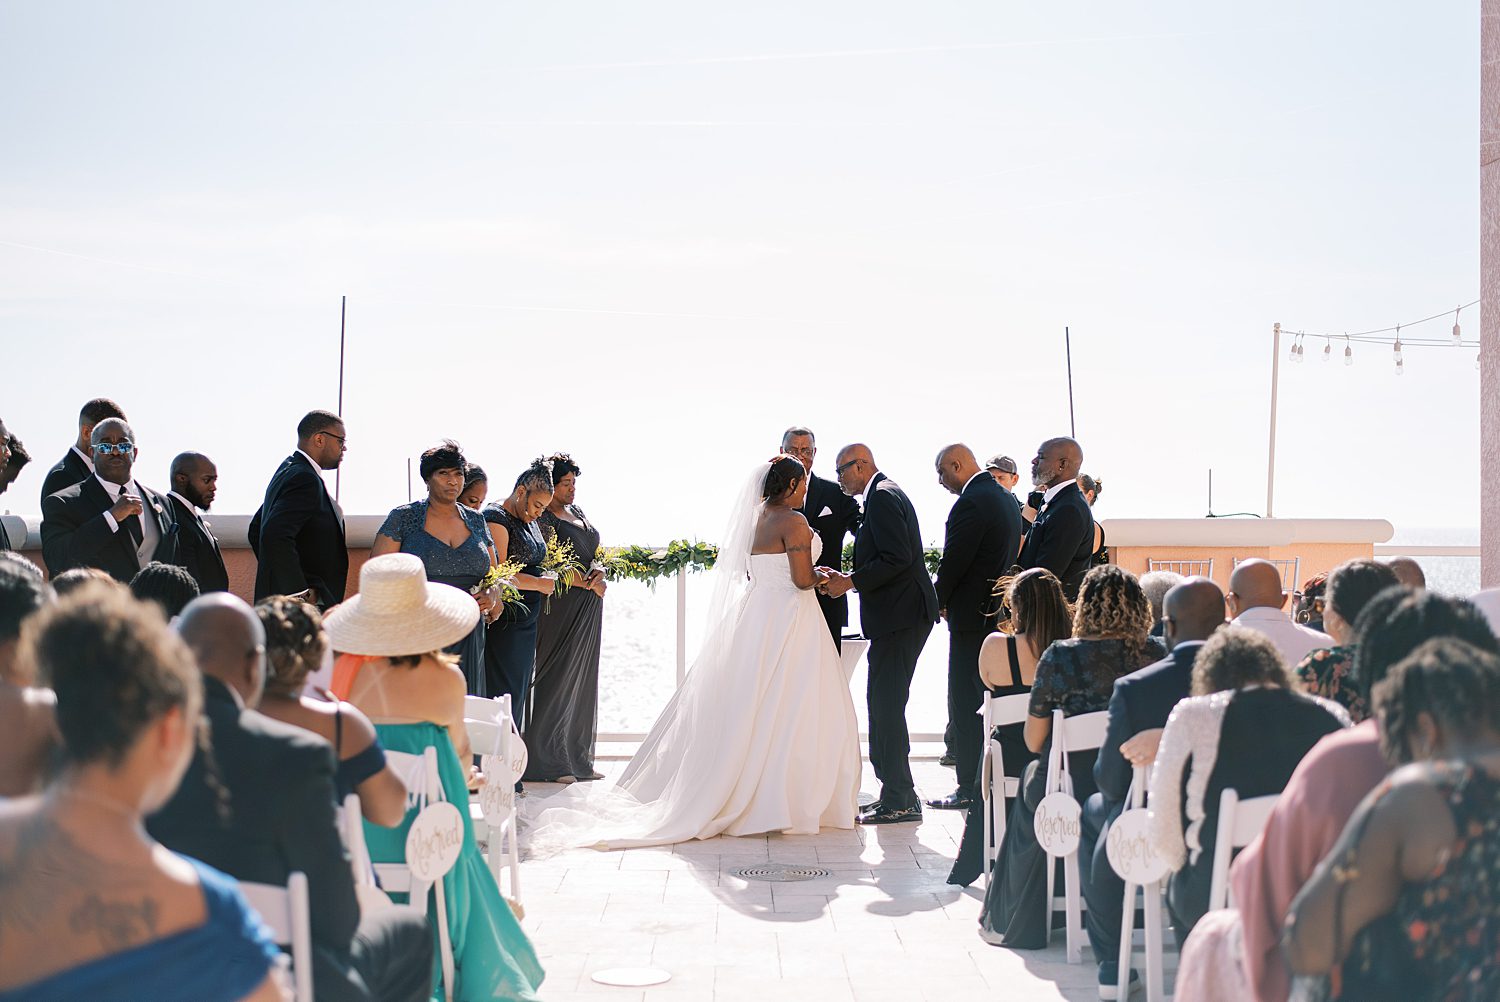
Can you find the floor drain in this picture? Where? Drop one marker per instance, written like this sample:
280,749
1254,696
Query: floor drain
781,872
631,977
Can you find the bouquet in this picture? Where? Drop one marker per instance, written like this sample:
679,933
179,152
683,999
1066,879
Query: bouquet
562,565
500,576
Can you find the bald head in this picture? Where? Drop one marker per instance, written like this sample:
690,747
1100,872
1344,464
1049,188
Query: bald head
1193,611
196,478
855,466
1057,460
228,641
956,466
1255,584
1408,572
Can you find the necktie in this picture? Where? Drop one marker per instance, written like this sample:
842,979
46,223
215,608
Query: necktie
132,525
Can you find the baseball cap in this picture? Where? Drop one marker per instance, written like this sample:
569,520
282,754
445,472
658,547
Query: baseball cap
1002,463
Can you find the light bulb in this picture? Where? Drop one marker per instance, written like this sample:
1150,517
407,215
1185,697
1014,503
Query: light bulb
1348,355
1458,334
1398,350
1327,351
1400,368
1476,363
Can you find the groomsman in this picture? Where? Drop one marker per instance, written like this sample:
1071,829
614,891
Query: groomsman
981,541
298,533
109,521
897,607
1062,537
77,465
6,455
832,514
195,481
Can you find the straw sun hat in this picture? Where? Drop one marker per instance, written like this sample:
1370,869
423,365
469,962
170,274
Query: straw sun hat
398,612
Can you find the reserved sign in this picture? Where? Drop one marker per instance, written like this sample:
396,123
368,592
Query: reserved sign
1131,851
1058,824
434,841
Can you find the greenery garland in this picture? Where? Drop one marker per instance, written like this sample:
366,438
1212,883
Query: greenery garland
647,565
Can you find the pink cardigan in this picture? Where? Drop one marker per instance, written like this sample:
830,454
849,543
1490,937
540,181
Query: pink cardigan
1318,800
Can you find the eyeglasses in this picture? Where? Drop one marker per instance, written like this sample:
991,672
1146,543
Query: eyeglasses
342,440
799,452
839,471
111,448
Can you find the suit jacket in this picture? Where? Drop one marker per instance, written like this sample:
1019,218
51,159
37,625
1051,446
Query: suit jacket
1062,539
980,544
70,470
1141,701
198,550
842,518
298,536
76,534
280,819
4,538
895,591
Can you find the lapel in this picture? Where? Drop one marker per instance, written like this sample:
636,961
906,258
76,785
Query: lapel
864,509
99,501
333,506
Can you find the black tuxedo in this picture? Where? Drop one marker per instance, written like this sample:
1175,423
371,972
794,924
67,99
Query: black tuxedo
897,607
197,549
280,819
69,470
842,518
298,536
980,543
75,532
4,538
1062,539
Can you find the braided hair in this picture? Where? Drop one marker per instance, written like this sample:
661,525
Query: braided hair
1399,619
1456,683
295,643
1111,604
536,477
782,478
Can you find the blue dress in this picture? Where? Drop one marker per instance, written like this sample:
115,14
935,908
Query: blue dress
510,647
462,566
223,960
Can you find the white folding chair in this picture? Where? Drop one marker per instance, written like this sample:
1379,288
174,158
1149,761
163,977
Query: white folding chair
995,786
1290,569
352,825
1239,822
497,740
1153,945
288,915
1070,734
1187,568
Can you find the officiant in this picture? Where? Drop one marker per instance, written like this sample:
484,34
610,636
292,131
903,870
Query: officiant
832,514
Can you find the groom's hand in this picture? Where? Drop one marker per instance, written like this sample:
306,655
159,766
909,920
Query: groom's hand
838,584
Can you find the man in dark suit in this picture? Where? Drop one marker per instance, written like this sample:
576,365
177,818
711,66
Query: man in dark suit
195,481
109,521
897,607
77,465
279,816
298,533
980,543
1138,710
1062,537
13,456
832,514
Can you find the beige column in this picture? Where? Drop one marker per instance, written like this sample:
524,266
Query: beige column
1489,293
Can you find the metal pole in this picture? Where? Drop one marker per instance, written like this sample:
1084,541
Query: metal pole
338,473
1068,342
1271,452
681,626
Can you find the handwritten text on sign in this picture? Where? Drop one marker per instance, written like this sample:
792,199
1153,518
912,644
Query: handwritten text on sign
498,794
1057,824
1130,850
434,841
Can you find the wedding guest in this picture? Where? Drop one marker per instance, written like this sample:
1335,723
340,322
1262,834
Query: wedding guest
1005,472
265,807
1325,672
981,540
1309,603
195,482
832,515
452,542
1039,615
565,692
109,521
1244,728
99,910
68,581
1156,584
1091,489
510,646
28,727
1408,572
476,487
1256,600
13,456
1111,638
1406,904
169,586
395,630
295,645
77,464
16,562
1061,537
298,531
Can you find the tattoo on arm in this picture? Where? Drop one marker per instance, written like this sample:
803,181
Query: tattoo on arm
117,924
798,548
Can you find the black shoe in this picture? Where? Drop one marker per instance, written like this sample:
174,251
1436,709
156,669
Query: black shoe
948,760
955,801
892,816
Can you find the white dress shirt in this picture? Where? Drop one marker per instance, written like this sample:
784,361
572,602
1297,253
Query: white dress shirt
1293,640
87,459
1055,490
198,515
150,531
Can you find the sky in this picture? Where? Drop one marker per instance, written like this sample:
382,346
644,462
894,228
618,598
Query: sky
654,234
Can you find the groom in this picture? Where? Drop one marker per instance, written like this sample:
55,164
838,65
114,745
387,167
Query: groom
897,607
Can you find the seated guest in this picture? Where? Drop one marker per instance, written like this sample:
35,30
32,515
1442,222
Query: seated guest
1256,601
1238,950
1138,710
1487,601
397,627
1007,665
77,464
265,809
108,521
169,586
1407,571
195,481
67,582
295,645
14,561
28,728
1325,672
1156,584
94,908
1406,906
1308,604
1110,638
1245,728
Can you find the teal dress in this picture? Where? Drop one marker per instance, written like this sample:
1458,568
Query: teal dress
492,957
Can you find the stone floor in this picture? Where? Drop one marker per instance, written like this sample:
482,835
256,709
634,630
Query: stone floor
884,926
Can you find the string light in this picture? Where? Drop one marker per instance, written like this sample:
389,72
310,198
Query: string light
1348,351
1398,346
1458,334
1327,348
1398,343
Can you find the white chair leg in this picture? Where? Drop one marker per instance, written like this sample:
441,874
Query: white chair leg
1051,893
1152,894
445,944
1073,908
1127,941
987,809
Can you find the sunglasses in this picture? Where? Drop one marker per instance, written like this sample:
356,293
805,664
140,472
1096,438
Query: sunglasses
112,448
839,471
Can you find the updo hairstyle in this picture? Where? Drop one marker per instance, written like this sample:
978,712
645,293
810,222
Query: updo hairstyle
536,477
295,643
782,478
562,465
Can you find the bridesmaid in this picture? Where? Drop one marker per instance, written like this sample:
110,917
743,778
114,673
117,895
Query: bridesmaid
510,647
476,487
452,543
565,691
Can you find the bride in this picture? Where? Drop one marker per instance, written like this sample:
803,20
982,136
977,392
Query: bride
761,735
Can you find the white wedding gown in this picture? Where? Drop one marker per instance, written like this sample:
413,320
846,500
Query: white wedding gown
760,737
